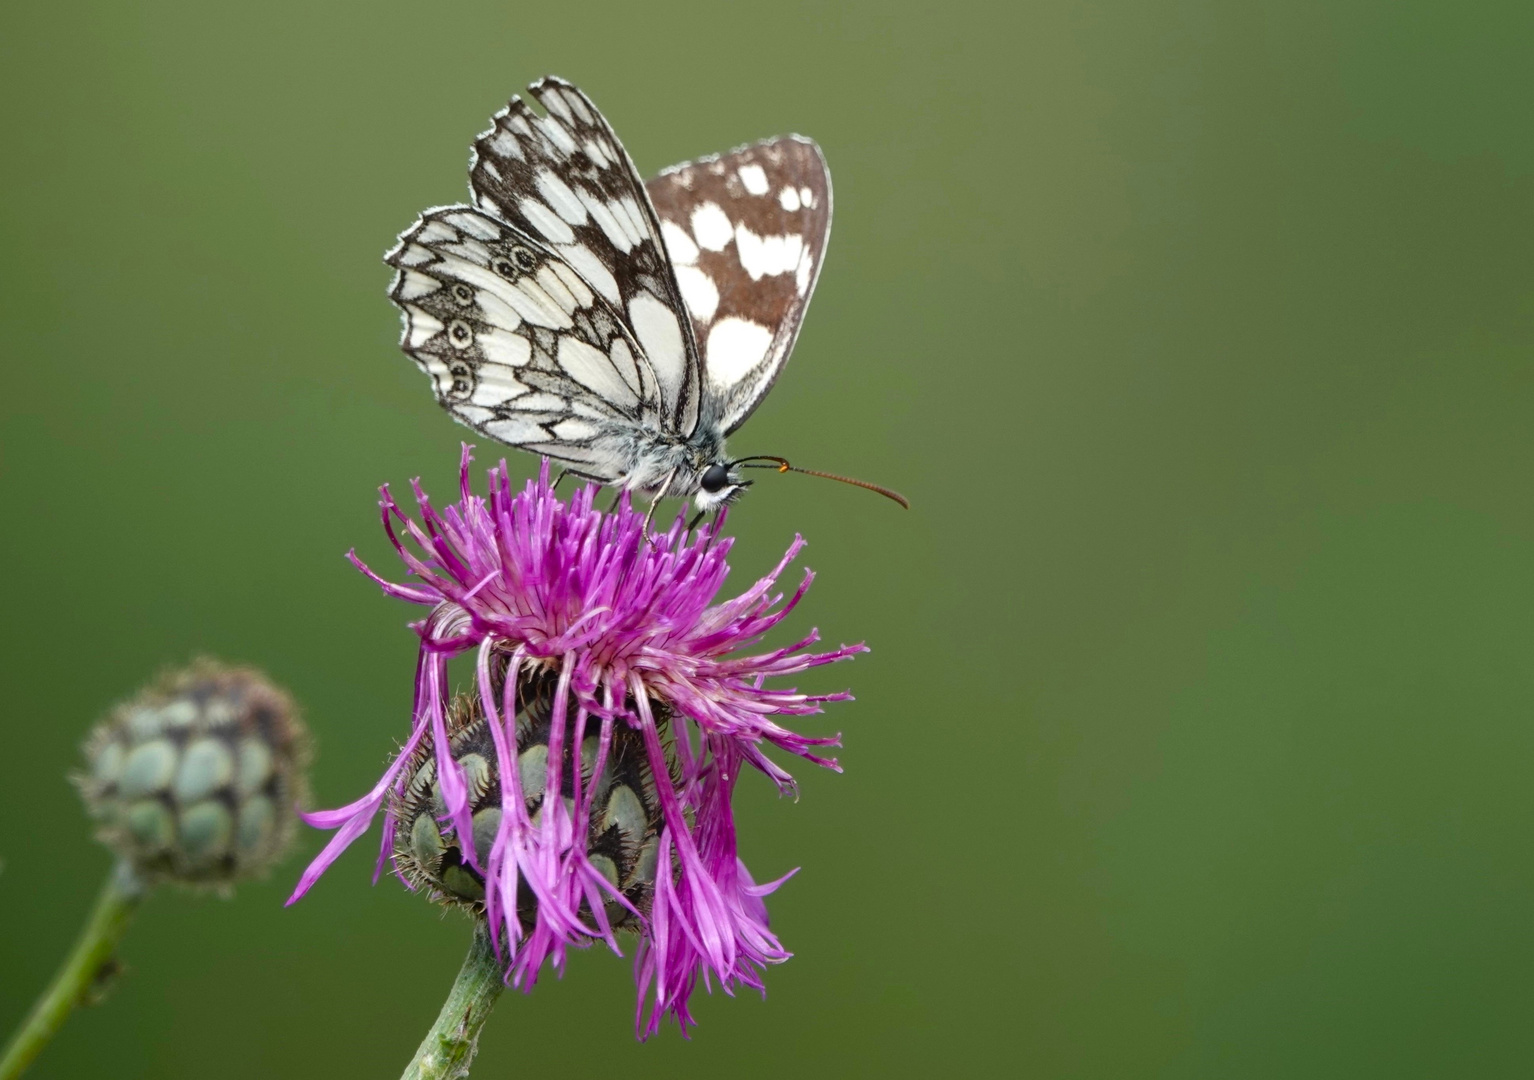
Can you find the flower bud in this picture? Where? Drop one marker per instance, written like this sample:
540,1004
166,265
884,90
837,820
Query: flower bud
196,778
623,826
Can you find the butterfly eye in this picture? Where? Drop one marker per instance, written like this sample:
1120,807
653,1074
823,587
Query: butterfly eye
463,294
524,259
504,266
460,333
714,478
463,381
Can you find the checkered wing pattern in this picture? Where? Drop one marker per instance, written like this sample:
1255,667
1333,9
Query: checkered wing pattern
518,345
566,180
747,233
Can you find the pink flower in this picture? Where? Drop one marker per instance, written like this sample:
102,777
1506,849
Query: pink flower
617,620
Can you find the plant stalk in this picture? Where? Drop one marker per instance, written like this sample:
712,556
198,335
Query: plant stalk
89,966
449,1047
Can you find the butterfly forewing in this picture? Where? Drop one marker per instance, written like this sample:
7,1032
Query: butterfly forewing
747,234
565,179
518,345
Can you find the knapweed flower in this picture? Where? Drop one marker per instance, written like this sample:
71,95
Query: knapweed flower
584,784
195,778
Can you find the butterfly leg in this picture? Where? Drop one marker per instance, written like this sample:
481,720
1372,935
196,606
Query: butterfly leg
559,479
617,498
661,491
713,526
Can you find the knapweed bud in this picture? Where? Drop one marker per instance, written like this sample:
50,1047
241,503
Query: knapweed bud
195,779
619,807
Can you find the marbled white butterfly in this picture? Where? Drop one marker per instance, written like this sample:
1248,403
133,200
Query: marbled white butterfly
622,328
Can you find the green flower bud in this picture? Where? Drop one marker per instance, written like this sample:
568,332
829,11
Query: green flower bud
196,778
623,829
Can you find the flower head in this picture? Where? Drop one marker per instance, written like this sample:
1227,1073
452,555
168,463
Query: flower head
597,643
195,778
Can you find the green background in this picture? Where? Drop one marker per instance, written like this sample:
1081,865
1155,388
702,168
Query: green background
1196,737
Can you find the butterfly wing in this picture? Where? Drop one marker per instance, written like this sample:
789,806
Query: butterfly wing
565,179
747,234
518,345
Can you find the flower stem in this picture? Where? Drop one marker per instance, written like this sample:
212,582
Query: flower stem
449,1047
89,965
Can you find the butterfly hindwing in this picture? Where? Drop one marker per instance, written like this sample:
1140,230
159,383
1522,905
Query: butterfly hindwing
747,234
565,179
517,344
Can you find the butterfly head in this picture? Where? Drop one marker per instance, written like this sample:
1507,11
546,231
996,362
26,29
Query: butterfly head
718,485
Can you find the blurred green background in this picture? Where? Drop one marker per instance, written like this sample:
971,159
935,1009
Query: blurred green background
1197,733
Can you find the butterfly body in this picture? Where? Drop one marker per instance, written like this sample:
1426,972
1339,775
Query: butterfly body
624,329
659,464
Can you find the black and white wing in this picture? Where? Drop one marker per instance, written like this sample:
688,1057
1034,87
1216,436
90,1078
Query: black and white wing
566,180
518,345
747,234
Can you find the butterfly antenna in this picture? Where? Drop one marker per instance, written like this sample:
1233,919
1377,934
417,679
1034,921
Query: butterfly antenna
782,466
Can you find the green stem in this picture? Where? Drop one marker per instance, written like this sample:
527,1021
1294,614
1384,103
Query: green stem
90,963
449,1047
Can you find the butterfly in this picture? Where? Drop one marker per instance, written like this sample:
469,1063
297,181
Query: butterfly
622,328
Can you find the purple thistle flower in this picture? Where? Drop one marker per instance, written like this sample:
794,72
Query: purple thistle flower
605,623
